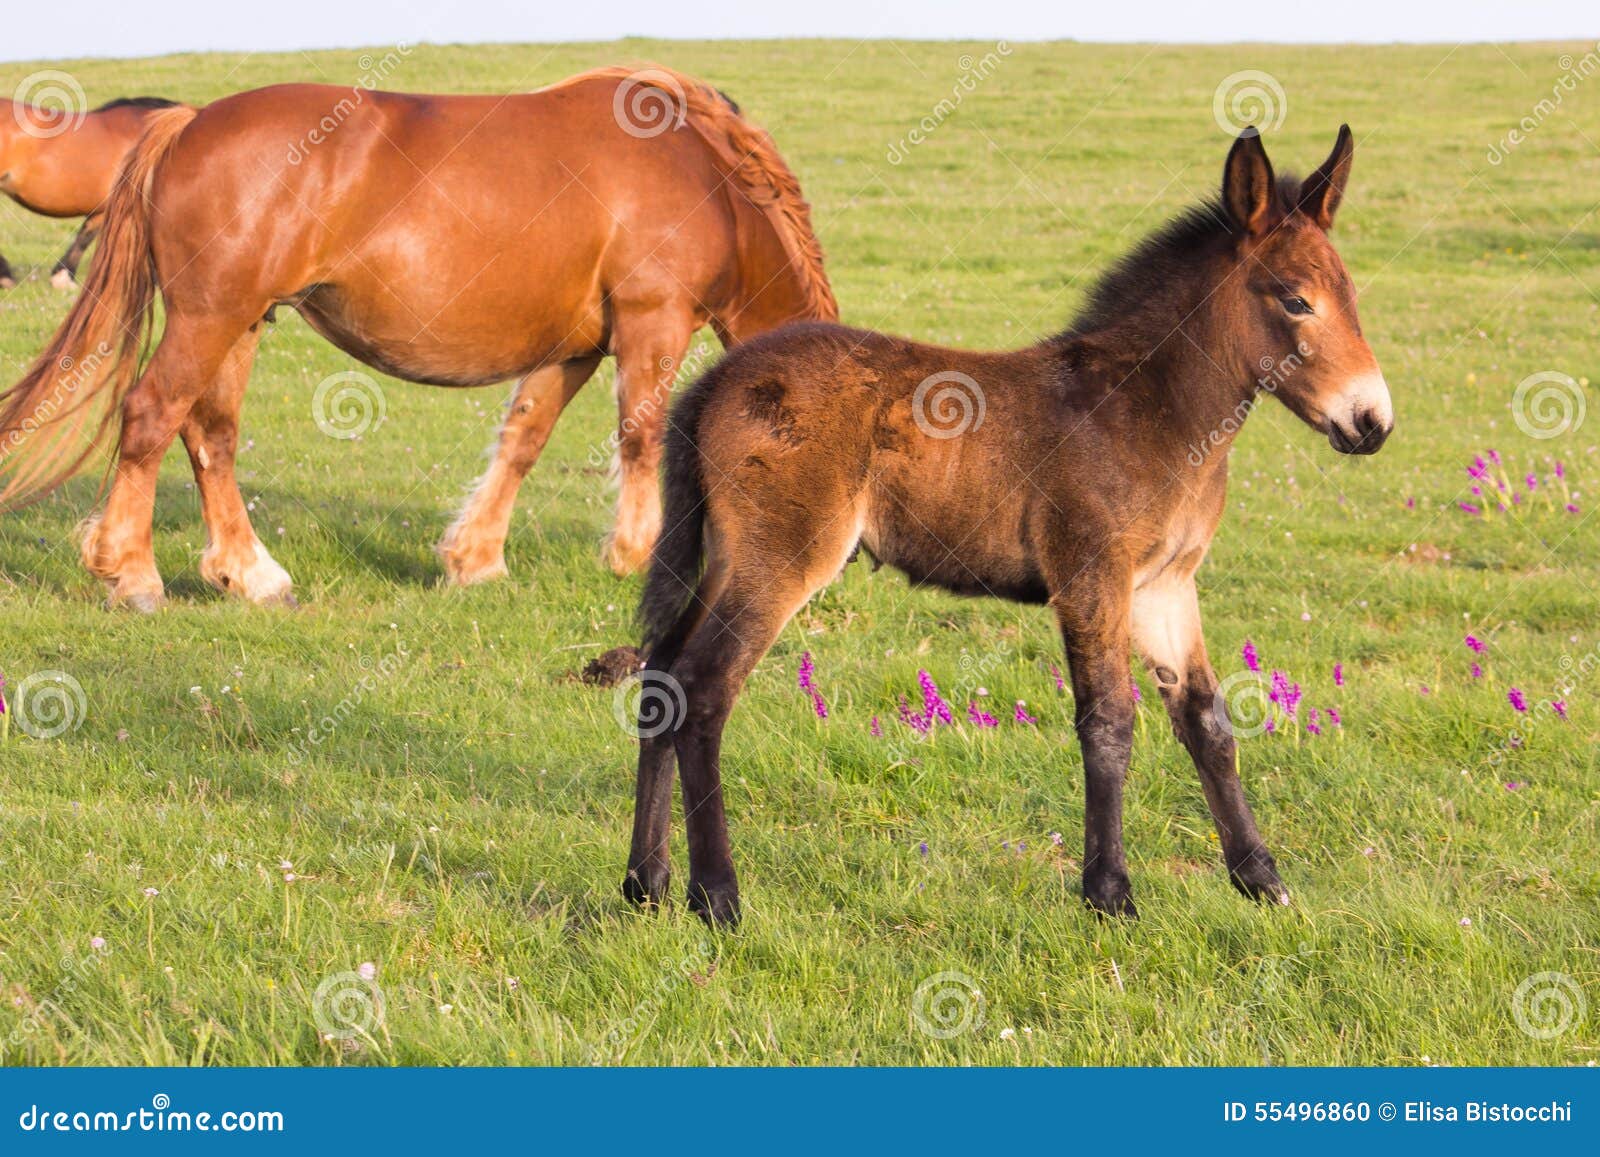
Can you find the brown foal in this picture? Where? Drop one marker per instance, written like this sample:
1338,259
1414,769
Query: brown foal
1087,473
63,164
452,240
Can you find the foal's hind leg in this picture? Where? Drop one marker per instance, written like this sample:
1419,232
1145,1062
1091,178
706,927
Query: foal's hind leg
650,348
762,594
649,862
473,549
117,544
64,275
1166,624
234,560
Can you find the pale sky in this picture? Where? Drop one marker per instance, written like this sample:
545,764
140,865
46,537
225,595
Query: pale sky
56,32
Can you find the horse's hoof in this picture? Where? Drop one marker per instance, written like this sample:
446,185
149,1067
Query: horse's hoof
462,572
1257,878
645,887
1110,897
717,905
8,283
141,602
62,279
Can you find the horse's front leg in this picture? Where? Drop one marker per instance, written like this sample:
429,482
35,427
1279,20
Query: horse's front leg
1166,627
1094,628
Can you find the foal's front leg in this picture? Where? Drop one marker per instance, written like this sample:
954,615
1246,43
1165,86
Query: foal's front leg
1166,626
1094,629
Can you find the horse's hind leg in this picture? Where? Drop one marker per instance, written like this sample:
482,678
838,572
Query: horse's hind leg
650,348
649,862
65,273
473,549
1166,626
761,595
8,279
234,559
117,545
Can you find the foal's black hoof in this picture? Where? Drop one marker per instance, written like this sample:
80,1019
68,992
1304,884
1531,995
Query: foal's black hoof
717,905
1110,898
1257,878
646,888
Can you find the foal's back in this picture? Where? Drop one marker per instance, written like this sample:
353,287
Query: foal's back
943,463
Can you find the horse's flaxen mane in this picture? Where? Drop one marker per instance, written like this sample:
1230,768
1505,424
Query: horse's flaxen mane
1155,269
755,167
138,102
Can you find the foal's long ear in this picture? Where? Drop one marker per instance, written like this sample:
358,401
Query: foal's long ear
1324,189
1247,188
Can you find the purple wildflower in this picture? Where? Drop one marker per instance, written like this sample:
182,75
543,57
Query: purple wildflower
913,719
1515,785
1061,684
1477,671
1314,722
876,728
1021,714
1494,457
1138,695
1279,691
807,669
933,704
1252,661
1561,471
1338,674
1270,725
1055,838
1517,699
1572,508
1333,717
979,716
1475,644
1478,469
1469,508
1291,700
1559,706
922,849
1533,481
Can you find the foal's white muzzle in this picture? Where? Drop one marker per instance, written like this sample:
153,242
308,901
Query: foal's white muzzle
1363,417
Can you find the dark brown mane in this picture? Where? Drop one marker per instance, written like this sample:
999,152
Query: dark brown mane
1149,281
137,102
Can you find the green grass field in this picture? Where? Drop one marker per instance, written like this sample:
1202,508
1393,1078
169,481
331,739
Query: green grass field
464,827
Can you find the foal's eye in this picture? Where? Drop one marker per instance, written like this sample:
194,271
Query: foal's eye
1298,306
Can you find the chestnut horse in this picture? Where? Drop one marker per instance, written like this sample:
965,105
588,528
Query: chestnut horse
451,240
62,164
1087,473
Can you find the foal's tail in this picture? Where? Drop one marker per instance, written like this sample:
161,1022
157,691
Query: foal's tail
667,612
66,405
